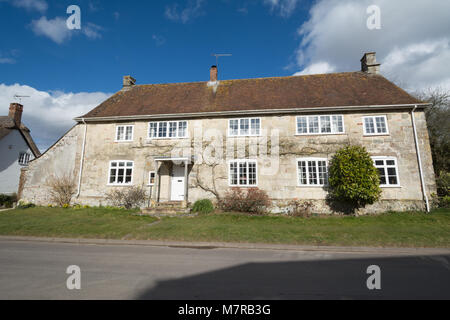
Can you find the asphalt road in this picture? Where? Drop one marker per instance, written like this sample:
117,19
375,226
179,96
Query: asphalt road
37,270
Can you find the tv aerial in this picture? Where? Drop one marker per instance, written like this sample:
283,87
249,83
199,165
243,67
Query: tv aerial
19,98
218,55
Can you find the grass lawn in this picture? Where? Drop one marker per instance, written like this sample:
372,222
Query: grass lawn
390,229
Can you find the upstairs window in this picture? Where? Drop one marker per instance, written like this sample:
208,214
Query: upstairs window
312,172
244,127
388,171
121,172
124,133
24,158
376,125
168,130
320,125
243,173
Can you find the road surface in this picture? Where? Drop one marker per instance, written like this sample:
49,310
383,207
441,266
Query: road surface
37,270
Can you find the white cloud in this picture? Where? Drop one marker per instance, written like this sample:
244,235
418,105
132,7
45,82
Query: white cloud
92,31
316,68
56,29
49,114
285,8
191,11
39,5
413,43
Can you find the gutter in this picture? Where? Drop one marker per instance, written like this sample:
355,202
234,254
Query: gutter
419,159
82,158
253,112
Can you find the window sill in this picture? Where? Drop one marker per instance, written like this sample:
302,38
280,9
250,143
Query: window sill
377,135
120,185
313,186
390,187
249,136
320,134
233,186
170,139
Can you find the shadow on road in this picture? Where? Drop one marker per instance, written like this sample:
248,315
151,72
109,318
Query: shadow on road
412,277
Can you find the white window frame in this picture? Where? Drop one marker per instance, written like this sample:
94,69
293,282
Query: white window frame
124,126
186,136
298,133
385,167
125,168
238,162
239,134
150,178
24,158
308,183
375,126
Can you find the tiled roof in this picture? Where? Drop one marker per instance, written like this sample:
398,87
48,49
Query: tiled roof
296,92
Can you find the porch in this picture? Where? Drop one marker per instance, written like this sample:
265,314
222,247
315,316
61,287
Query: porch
170,191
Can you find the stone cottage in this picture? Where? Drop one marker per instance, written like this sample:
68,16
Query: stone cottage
188,141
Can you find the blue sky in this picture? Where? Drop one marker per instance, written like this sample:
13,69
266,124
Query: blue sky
66,72
142,39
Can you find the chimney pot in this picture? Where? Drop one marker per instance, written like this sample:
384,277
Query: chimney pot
369,63
128,82
213,72
15,112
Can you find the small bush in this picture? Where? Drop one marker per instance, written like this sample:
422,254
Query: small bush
7,201
253,200
445,202
203,206
129,198
62,189
443,184
353,177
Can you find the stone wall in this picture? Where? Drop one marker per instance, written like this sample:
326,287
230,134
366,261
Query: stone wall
277,174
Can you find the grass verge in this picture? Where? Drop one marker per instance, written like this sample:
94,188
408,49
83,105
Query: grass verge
387,230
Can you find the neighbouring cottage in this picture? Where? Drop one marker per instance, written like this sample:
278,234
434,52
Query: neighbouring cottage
189,141
17,148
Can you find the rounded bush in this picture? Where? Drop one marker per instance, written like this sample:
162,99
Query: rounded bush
353,177
203,206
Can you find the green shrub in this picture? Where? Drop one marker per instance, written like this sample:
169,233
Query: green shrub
203,206
445,202
443,183
7,201
353,177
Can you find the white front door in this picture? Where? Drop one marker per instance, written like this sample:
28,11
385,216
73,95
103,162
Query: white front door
177,189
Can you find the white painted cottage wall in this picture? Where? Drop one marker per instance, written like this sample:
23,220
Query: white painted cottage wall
10,148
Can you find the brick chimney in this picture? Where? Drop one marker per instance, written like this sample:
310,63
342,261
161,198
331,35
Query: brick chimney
15,112
369,63
128,82
213,72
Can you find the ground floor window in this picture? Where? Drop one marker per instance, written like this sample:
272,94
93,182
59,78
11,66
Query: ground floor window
243,173
152,178
388,171
312,172
121,172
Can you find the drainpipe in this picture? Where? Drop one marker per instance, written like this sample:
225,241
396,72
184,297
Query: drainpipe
419,159
82,158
